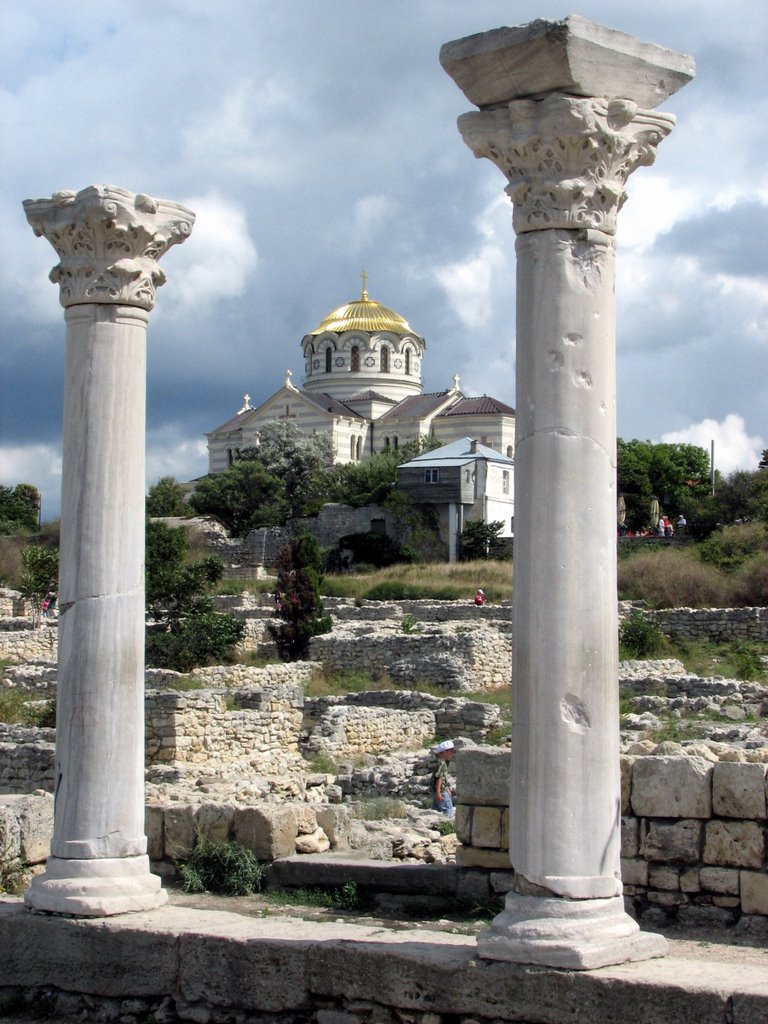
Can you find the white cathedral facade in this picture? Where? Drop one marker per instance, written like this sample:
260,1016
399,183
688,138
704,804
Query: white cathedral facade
362,385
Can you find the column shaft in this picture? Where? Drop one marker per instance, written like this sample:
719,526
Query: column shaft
100,724
565,702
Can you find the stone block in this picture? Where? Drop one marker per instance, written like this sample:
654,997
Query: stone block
472,887
10,833
630,837
463,821
153,826
754,892
34,814
312,842
482,776
626,782
689,880
672,787
634,871
730,902
664,876
505,829
215,821
738,790
676,841
179,831
724,881
736,843
334,821
269,830
573,55
306,819
486,827
468,857
502,881
666,899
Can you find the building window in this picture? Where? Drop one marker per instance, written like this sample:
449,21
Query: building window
327,360
352,449
385,360
510,452
408,361
358,448
354,362
505,481
394,442
431,476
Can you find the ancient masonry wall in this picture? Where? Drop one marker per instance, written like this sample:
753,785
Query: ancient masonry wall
20,643
716,624
693,837
474,659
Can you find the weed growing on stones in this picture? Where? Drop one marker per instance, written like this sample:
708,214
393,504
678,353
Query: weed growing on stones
223,867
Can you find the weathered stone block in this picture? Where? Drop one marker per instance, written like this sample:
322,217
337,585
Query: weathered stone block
738,843
486,827
738,790
754,892
630,837
663,876
215,821
469,857
34,814
678,840
334,821
634,871
672,787
312,842
689,880
724,881
482,776
269,830
505,829
463,822
153,826
306,820
626,782
179,831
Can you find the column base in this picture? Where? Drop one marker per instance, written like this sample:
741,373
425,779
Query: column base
95,888
576,934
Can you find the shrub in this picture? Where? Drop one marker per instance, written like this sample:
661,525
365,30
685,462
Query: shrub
732,546
223,867
639,638
408,624
670,579
379,808
446,828
750,586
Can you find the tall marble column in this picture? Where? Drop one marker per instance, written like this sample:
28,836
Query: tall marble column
108,241
564,115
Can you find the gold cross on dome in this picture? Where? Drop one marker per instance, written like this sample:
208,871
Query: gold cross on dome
365,282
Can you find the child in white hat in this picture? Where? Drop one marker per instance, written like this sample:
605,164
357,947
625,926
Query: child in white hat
441,791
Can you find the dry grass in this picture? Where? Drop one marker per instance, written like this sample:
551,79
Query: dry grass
460,580
671,579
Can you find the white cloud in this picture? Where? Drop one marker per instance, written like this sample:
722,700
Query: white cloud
215,262
36,464
169,455
371,214
734,447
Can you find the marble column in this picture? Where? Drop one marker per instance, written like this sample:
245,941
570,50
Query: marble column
564,113
108,242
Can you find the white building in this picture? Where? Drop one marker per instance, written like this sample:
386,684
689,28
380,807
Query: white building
362,384
466,482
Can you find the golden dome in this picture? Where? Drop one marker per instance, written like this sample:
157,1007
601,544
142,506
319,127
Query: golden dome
363,315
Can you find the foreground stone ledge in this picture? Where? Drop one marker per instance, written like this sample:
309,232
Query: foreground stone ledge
213,961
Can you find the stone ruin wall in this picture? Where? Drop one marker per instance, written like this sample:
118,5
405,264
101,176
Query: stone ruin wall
693,835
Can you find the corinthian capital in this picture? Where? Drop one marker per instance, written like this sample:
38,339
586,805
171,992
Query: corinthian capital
108,241
566,158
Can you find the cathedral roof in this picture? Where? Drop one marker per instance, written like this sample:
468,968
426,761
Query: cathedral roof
371,396
329,404
363,315
480,406
419,405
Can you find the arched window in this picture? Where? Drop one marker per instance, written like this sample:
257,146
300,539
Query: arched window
357,452
407,361
385,360
328,360
386,442
510,452
354,362
394,442
352,449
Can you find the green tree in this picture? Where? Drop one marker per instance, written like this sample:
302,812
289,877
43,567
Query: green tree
243,497
482,540
297,597
39,576
297,460
375,480
19,509
187,632
166,498
676,474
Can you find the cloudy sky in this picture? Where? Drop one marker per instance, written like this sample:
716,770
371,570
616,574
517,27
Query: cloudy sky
317,138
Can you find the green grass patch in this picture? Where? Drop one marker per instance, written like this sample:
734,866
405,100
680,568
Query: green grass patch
733,659
378,808
339,897
20,707
323,764
189,682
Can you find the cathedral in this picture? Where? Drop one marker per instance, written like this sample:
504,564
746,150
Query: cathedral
362,385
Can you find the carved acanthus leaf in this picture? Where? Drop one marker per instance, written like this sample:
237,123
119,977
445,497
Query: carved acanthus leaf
566,158
108,241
